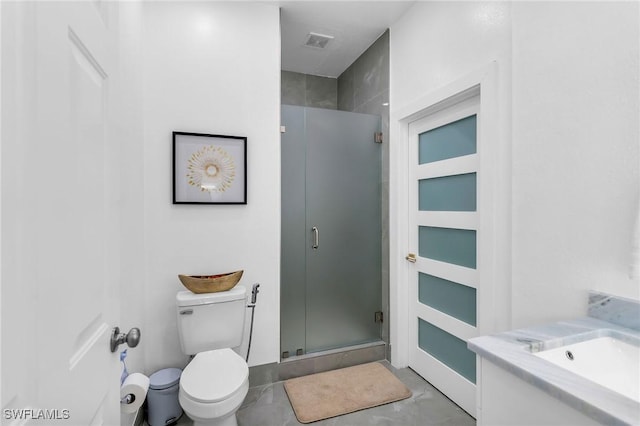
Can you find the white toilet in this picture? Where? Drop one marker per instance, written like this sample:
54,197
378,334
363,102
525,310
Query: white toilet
216,381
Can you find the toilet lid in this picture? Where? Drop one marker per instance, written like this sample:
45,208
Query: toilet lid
214,375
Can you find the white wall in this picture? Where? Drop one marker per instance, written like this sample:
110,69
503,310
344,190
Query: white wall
576,146
436,42
570,113
211,68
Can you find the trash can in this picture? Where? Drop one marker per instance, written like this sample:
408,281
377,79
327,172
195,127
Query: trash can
163,407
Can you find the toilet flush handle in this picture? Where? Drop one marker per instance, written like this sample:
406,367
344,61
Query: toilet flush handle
132,338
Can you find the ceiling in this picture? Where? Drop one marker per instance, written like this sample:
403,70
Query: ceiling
355,25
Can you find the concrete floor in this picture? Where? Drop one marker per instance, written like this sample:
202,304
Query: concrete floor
268,405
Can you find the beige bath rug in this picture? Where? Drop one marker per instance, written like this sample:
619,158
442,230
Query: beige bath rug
333,393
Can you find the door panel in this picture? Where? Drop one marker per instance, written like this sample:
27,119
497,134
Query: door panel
454,299
66,58
293,231
448,349
451,140
72,124
435,193
454,246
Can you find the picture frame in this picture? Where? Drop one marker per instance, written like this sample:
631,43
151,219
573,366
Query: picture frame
209,169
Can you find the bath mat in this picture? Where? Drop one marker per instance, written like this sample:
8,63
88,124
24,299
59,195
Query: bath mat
333,393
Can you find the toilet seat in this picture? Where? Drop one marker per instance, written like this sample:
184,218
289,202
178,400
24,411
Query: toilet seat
214,376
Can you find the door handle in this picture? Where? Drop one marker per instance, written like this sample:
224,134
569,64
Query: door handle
316,237
132,338
411,257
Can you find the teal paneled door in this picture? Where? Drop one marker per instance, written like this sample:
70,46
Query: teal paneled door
443,236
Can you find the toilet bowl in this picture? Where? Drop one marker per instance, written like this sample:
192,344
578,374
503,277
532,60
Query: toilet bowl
213,386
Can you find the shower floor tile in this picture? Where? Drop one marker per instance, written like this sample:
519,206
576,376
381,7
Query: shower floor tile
268,405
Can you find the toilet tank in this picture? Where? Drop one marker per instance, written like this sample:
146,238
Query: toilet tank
211,320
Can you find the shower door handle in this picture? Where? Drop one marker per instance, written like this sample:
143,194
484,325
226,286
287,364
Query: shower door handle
316,237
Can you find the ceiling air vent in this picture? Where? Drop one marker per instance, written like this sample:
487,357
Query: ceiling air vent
319,41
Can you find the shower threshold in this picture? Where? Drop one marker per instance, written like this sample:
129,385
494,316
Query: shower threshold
318,362
363,347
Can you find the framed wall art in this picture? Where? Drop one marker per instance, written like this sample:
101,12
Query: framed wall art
209,169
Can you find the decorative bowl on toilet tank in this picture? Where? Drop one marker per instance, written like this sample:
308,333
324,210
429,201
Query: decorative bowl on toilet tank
210,283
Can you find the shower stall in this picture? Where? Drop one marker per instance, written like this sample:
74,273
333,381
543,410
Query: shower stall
331,287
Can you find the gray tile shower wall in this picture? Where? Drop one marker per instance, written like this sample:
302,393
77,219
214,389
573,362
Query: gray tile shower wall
364,86
308,90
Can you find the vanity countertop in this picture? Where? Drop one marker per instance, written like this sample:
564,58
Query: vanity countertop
513,351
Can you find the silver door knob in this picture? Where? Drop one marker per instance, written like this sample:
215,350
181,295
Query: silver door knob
132,338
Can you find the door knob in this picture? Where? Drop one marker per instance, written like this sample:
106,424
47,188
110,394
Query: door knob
411,257
132,338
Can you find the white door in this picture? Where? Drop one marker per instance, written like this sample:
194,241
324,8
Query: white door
442,236
60,287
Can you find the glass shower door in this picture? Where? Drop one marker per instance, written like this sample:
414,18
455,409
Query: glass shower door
331,229
344,250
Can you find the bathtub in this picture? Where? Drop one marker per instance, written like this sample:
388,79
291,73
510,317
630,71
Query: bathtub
606,360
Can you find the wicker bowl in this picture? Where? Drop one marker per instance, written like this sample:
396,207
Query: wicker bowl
210,283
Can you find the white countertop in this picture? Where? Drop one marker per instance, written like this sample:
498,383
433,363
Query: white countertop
513,351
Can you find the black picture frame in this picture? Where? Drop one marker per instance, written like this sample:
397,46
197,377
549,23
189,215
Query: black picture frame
209,168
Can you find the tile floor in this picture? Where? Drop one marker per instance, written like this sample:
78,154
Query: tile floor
268,405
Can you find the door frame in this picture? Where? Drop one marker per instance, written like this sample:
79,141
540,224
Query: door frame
494,250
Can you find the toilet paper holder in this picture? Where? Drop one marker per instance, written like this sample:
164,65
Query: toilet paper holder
132,338
128,399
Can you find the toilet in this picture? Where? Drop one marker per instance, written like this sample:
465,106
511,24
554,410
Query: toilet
215,382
